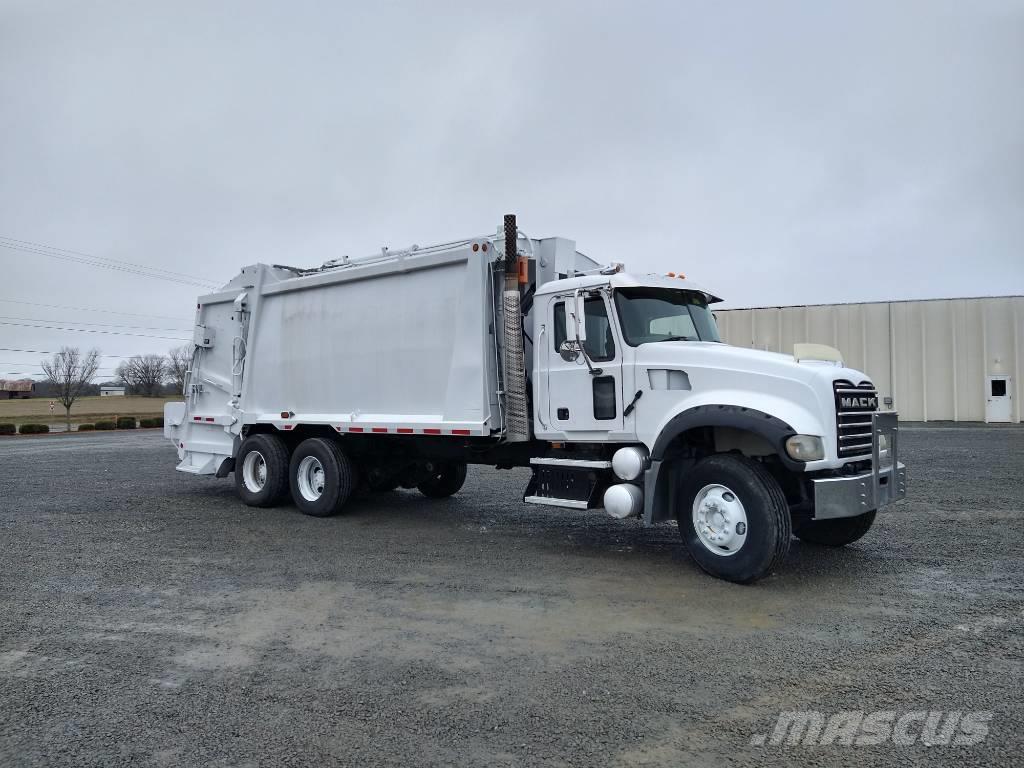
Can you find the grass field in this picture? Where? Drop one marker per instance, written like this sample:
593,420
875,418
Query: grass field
85,409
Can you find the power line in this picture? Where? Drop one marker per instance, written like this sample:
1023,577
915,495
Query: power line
39,372
119,262
23,364
94,330
40,368
97,261
26,364
82,322
90,309
50,352
126,270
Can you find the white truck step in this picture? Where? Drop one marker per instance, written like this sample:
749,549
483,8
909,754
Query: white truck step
571,463
551,502
200,463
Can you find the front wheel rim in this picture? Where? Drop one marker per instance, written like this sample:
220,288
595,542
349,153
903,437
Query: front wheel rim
310,477
719,520
254,471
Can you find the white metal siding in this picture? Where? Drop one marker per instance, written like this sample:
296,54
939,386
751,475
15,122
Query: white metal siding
931,357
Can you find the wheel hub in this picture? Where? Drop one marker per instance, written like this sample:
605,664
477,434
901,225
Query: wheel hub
311,478
719,520
254,471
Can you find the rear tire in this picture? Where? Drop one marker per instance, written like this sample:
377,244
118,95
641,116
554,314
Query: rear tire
387,487
733,518
322,477
261,471
378,482
835,533
446,480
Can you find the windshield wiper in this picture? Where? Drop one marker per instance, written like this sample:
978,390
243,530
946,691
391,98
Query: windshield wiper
680,338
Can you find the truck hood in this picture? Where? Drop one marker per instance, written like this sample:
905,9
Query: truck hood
799,393
755,362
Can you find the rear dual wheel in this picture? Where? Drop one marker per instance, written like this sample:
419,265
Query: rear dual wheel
322,477
261,471
445,479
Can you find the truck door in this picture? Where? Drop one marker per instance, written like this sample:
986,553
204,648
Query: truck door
578,400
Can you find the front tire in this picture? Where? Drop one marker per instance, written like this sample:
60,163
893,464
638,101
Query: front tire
261,471
835,533
445,480
322,477
733,518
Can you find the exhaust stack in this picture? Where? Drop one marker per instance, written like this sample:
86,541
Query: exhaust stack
517,418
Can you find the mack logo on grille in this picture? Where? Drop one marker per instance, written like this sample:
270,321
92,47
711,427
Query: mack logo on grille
865,402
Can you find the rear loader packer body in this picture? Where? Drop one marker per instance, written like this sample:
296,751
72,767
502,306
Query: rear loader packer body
402,368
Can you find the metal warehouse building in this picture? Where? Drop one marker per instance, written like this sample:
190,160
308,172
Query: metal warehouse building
936,360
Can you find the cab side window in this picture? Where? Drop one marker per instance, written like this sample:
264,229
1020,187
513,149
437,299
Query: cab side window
600,342
559,334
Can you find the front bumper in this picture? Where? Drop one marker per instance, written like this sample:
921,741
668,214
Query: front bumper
852,495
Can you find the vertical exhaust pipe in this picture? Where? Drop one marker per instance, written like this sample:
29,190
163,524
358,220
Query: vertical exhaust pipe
517,418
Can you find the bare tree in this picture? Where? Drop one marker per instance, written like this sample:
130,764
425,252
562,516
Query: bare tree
70,373
178,360
143,373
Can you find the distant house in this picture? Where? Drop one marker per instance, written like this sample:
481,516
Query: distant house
111,391
16,389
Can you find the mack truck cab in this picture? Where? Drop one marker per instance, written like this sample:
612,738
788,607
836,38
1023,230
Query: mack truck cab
614,388
743,448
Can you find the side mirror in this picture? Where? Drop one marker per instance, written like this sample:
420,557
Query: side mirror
579,330
570,322
569,351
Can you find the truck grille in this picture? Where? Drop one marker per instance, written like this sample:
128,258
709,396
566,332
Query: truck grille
854,405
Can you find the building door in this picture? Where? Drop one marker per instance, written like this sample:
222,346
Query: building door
998,400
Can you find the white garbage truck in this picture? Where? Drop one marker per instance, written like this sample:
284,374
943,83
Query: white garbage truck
613,388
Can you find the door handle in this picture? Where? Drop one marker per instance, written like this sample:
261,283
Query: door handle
632,403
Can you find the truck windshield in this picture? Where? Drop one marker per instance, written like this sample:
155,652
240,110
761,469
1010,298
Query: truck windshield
664,314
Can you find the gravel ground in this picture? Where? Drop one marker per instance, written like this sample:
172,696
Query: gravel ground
149,618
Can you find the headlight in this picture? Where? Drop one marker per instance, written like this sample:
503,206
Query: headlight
805,448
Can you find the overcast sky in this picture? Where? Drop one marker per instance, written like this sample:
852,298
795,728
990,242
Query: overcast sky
777,152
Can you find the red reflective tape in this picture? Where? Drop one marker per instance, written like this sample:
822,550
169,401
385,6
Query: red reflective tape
355,429
380,429
404,431
197,418
209,418
431,431
460,432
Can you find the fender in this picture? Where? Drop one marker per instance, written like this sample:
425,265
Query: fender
658,501
771,428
